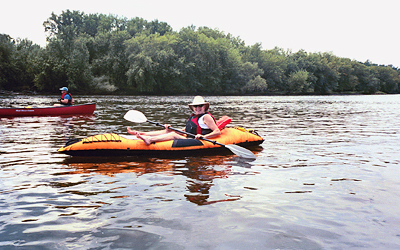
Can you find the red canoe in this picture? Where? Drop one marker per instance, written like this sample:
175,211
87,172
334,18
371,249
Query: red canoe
84,109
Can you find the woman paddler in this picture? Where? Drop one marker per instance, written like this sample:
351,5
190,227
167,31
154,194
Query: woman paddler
201,123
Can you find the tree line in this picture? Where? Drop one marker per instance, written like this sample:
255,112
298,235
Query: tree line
103,54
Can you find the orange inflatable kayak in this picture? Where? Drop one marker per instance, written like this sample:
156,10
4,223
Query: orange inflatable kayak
112,144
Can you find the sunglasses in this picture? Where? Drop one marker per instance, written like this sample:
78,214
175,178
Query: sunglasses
195,106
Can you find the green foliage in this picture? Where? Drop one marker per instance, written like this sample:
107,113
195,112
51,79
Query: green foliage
51,71
256,85
17,63
153,64
7,48
389,79
347,81
298,82
207,57
326,74
97,53
79,76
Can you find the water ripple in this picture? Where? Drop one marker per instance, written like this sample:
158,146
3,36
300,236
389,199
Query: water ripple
326,177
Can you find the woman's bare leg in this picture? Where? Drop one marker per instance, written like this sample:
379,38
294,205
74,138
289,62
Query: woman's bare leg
162,137
151,133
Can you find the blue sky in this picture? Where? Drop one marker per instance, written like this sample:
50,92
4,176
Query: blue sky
355,29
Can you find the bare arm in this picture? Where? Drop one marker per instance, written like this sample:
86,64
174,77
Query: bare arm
151,133
209,121
64,101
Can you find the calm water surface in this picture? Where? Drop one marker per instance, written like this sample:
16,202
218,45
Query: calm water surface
326,177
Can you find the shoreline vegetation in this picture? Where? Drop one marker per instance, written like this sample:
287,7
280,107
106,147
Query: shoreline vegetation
97,54
34,93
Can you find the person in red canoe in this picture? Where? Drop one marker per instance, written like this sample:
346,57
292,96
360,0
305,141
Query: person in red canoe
66,98
201,123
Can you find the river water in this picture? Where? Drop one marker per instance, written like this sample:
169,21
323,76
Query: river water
326,177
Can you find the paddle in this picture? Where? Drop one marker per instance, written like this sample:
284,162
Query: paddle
139,117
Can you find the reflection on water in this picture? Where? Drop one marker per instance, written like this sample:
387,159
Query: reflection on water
326,177
199,173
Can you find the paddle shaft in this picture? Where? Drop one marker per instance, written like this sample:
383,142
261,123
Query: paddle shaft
187,133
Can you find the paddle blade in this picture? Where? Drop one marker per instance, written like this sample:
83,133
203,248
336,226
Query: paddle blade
135,116
240,151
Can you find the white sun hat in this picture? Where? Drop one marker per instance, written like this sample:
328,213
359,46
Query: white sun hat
198,100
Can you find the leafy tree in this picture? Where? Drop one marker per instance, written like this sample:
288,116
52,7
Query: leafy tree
325,76
297,61
347,81
64,66
17,63
214,64
66,27
99,49
79,76
154,67
243,74
204,58
117,59
297,64
156,27
238,74
108,59
298,82
7,71
51,72
256,85
136,26
91,24
389,79
367,82
25,57
272,62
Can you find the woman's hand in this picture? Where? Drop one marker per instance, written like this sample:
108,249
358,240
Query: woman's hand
199,136
167,127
